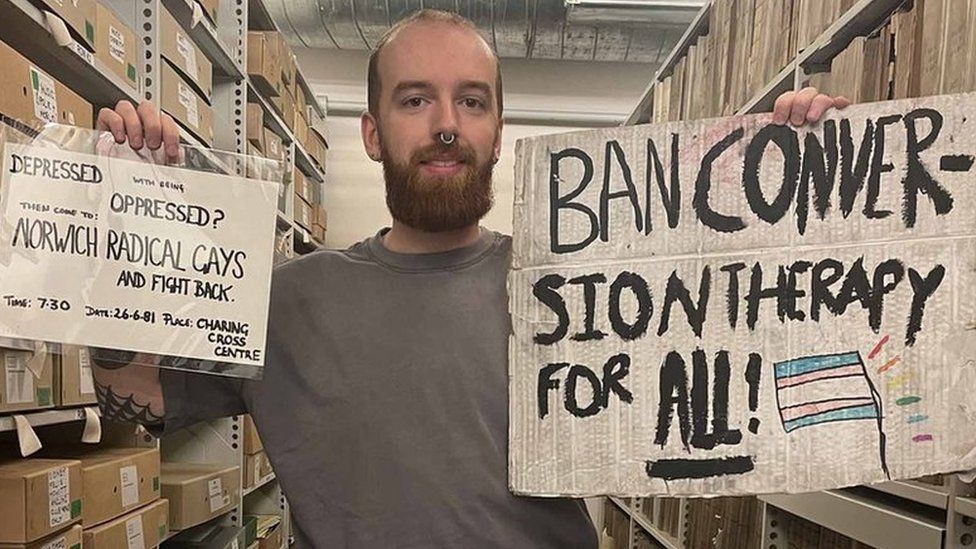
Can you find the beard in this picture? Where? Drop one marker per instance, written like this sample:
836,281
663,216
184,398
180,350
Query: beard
435,203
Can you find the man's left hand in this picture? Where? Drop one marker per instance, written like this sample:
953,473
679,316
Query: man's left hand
806,106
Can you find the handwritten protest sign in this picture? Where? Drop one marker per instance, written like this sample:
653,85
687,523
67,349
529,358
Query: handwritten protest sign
129,255
731,306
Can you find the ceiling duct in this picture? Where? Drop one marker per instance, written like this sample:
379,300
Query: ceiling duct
637,31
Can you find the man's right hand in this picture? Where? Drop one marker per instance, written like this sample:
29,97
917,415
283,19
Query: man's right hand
142,126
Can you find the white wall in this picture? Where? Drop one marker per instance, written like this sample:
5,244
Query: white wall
560,90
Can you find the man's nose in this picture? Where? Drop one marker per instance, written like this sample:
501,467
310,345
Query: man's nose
447,119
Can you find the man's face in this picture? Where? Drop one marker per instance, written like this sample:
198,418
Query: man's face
434,78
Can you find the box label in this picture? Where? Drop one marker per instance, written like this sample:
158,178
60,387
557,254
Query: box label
20,381
188,99
215,492
257,470
58,497
133,533
82,51
130,485
60,543
45,96
116,44
185,49
87,382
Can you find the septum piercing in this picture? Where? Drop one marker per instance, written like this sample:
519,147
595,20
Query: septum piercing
446,138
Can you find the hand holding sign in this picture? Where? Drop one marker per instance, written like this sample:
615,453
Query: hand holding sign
144,126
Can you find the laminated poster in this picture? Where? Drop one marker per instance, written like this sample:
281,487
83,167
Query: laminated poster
162,265
730,306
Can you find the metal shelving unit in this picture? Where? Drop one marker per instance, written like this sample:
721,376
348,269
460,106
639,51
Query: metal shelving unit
899,514
26,28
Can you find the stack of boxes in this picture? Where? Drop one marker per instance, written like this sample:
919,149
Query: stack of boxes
108,497
198,492
186,80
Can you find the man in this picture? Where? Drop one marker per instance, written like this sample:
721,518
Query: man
383,407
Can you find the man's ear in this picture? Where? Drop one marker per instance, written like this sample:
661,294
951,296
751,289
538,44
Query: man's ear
498,139
371,137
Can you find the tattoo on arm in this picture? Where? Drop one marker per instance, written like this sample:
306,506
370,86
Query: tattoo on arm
117,407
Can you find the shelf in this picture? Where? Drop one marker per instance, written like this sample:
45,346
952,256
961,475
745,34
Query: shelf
646,525
862,18
260,484
698,24
309,96
204,35
866,520
966,506
306,164
304,241
26,30
41,418
203,149
283,221
919,492
271,118
258,17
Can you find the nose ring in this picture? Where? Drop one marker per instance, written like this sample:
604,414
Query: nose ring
446,138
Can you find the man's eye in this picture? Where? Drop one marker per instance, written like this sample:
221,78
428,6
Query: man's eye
414,102
473,103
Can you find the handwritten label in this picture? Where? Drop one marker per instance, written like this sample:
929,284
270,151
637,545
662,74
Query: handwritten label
129,477
59,543
133,533
185,48
112,253
87,381
20,381
728,306
116,44
45,96
58,497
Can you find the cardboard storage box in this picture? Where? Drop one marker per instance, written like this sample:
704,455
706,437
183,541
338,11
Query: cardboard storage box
181,101
255,125
252,442
273,146
256,468
263,56
31,95
116,480
148,524
302,187
285,106
178,48
316,148
20,388
70,538
79,16
38,497
115,45
304,214
268,530
199,492
301,129
74,384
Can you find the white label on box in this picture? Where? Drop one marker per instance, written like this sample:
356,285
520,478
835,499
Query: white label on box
116,44
215,491
83,52
185,48
60,543
20,382
58,497
257,470
189,101
85,372
130,485
133,533
45,96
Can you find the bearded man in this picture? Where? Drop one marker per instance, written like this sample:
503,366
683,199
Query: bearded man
384,406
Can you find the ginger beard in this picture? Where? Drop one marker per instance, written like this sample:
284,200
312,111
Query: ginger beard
436,203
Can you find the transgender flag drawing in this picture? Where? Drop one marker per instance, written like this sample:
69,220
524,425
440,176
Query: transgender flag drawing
817,390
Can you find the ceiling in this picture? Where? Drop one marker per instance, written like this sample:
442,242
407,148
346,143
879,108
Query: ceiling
636,31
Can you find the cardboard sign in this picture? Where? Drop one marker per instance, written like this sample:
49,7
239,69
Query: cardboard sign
120,254
735,307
